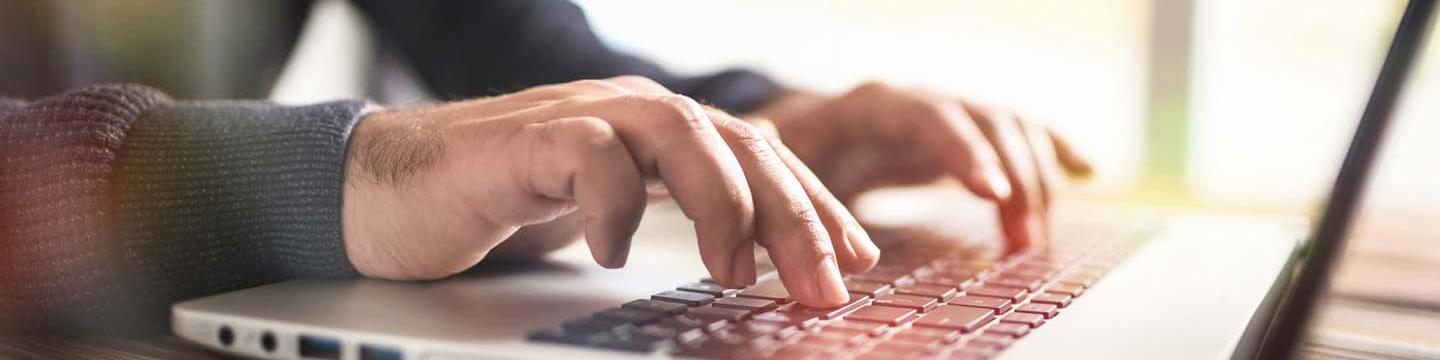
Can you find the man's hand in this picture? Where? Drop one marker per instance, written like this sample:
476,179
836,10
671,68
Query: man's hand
430,191
879,135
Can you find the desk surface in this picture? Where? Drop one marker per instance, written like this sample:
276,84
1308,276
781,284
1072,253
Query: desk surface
1385,303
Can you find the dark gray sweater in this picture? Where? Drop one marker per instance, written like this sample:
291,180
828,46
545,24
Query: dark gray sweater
118,201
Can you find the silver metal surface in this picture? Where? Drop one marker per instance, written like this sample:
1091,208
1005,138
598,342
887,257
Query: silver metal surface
1186,294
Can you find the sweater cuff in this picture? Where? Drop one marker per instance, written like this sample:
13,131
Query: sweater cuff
252,190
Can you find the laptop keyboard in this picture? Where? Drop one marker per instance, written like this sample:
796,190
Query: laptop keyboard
927,304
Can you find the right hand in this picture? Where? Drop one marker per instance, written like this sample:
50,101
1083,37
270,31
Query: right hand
431,190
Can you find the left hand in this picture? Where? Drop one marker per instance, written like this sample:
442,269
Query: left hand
879,135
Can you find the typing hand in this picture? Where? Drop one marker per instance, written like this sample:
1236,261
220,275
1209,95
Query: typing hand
432,190
879,135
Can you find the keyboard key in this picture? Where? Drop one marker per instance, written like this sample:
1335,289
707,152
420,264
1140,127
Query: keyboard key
744,303
971,354
1067,289
945,336
662,307
683,297
1082,279
629,316
636,340
1027,283
856,300
882,314
898,350
770,289
803,321
706,288
873,329
839,337
1003,292
990,341
958,282
1032,271
683,323
867,288
963,318
919,303
593,325
712,312
939,292
1000,306
1048,310
716,348
1008,329
680,335
780,331
562,336
885,275
1060,300
1028,319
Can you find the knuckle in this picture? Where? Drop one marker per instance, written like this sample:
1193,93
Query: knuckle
599,86
637,81
592,133
678,110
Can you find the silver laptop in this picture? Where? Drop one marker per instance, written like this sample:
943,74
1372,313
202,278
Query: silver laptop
1119,283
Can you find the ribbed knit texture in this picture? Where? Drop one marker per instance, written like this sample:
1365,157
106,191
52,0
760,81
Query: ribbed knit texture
115,202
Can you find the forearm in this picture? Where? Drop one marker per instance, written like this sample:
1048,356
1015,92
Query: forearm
118,201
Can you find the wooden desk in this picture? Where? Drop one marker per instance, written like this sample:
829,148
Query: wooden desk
1385,298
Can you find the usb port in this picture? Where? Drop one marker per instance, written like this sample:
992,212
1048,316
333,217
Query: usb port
370,352
312,347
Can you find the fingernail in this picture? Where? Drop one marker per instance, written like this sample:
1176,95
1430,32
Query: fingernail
829,287
999,185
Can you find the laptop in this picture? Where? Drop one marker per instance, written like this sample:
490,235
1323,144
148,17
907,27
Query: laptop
1118,283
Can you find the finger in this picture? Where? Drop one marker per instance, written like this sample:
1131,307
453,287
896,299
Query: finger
787,222
853,247
947,132
1043,154
1074,164
671,137
1022,216
582,159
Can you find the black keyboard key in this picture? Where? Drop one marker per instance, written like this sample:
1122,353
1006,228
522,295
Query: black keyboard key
706,288
753,329
662,307
770,289
683,323
679,334
629,316
593,325
562,336
684,297
717,313
635,340
744,303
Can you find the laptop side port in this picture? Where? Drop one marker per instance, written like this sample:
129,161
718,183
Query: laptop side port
314,347
372,352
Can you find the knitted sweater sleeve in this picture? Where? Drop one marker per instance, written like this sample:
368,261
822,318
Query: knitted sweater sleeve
116,201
